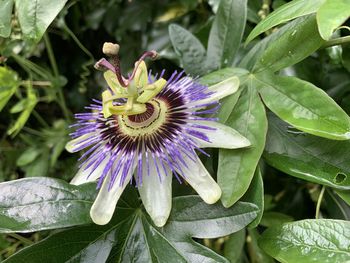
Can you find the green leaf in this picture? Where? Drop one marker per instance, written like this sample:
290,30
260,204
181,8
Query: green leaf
234,245
291,47
318,240
270,219
346,57
6,7
286,12
252,56
131,236
308,157
29,105
255,195
345,195
34,204
236,167
229,102
189,49
28,156
298,103
256,254
9,82
331,15
227,105
39,167
335,206
36,16
226,33
222,74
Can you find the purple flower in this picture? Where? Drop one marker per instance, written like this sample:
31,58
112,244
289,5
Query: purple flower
150,129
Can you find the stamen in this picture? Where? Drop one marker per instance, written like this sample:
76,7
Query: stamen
152,54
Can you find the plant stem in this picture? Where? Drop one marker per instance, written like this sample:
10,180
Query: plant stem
40,119
51,55
337,41
21,238
319,201
39,83
61,99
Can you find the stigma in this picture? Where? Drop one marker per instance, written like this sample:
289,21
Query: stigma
127,96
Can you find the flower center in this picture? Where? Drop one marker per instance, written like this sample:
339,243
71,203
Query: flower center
145,123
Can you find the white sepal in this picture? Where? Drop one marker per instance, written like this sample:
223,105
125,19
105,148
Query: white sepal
221,136
105,203
199,178
156,193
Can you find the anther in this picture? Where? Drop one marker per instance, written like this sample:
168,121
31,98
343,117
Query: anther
110,49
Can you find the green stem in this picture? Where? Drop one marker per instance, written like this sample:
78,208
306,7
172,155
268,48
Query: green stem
21,238
77,41
51,55
337,41
40,119
61,99
319,201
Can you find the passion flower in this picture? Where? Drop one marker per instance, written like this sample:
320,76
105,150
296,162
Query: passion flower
149,129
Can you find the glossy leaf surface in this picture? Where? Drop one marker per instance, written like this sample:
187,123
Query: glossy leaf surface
294,45
286,12
131,237
226,33
301,241
254,54
298,103
307,157
237,167
255,195
34,204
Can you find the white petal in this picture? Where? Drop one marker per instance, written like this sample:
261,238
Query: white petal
221,90
222,137
74,144
156,194
103,208
83,177
199,178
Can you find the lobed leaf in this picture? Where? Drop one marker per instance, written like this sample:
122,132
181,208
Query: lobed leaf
131,237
